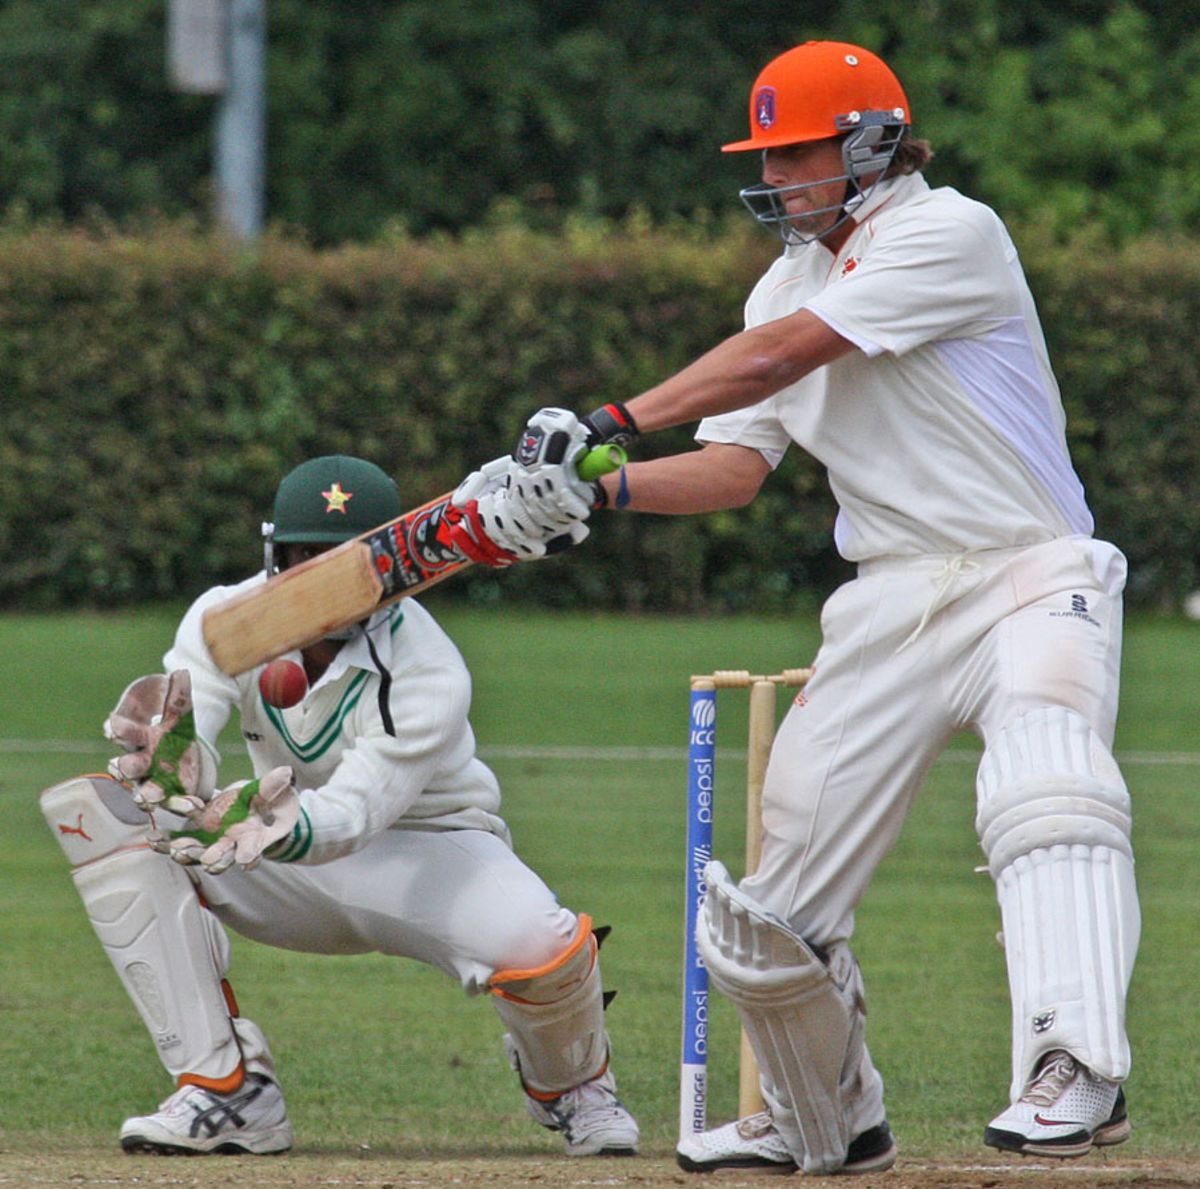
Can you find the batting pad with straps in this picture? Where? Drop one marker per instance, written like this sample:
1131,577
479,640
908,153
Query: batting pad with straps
555,1018
169,951
805,1021
1054,822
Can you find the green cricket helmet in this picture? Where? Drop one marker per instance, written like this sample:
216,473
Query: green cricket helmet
330,500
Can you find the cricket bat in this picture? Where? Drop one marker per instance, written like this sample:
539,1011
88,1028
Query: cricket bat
349,582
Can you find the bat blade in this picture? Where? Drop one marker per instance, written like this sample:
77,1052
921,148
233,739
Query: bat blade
403,557
328,592
292,609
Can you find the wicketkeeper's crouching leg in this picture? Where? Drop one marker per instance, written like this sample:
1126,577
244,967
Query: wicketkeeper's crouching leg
558,1045
804,1015
171,954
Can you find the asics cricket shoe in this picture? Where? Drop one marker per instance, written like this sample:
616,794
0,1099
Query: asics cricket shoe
195,1122
753,1143
1065,1110
591,1119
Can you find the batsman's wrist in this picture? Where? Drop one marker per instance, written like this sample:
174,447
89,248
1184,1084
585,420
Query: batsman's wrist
619,499
610,423
623,497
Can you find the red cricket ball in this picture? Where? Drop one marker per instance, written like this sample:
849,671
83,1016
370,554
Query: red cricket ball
282,684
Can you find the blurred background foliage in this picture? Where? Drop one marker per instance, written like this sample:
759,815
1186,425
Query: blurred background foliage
157,386
477,208
424,113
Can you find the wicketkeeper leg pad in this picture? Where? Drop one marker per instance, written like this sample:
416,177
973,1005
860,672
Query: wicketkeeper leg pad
805,1021
169,951
555,1018
1054,822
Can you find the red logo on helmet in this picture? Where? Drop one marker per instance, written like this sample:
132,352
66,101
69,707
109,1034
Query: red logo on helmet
764,107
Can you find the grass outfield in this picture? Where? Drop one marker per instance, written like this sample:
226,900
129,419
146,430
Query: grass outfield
583,720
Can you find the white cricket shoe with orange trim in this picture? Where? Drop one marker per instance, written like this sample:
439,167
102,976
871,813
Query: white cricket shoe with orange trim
195,1122
591,1118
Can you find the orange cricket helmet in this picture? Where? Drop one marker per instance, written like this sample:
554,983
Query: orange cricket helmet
824,90
819,90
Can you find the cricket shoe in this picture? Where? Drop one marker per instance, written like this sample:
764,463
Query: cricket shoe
196,1122
591,1119
1065,1110
753,1144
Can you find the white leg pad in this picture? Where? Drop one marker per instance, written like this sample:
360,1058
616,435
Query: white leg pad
555,1018
1054,822
804,1021
170,953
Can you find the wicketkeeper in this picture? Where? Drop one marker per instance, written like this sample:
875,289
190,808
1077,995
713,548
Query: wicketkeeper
370,825
897,342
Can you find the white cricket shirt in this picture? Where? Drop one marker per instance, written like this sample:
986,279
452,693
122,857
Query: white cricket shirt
944,432
356,778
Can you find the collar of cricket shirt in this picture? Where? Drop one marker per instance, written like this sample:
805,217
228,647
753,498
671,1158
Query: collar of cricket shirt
894,191
356,652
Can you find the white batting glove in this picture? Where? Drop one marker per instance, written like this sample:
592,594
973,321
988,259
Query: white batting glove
533,502
164,764
501,499
545,455
237,825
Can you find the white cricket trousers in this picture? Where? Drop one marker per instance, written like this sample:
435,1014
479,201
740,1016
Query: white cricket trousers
459,900
913,651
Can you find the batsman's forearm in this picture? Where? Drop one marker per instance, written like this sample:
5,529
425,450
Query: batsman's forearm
710,479
743,370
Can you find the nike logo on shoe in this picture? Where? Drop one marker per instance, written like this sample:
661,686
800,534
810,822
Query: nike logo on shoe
1058,1122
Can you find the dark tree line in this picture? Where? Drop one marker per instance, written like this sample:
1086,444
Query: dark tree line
425,114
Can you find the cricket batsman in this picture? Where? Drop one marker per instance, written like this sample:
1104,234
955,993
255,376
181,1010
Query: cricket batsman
895,339
370,826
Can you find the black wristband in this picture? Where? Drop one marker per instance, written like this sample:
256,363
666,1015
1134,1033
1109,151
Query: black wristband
599,495
610,423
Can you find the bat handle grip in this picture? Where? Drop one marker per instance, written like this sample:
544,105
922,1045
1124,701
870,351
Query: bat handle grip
600,460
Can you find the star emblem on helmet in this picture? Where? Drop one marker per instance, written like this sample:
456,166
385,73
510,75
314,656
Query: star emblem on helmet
336,499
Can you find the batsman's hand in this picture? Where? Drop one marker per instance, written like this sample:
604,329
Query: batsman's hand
544,470
519,513
237,825
164,763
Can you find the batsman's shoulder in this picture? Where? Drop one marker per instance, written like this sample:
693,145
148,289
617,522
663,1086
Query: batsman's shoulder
939,225
954,209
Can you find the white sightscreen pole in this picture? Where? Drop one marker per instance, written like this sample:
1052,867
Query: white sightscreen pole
241,121
196,58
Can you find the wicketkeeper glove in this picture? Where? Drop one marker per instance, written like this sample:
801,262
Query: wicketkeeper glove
237,825
164,763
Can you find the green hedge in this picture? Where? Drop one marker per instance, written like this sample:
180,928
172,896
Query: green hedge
154,387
